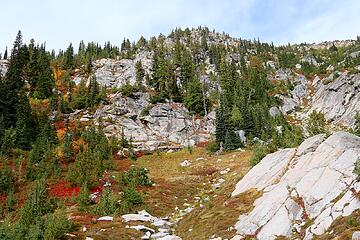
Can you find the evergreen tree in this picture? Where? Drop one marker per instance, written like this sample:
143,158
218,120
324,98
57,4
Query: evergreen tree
80,99
232,140
187,71
194,98
6,53
2,128
25,130
84,196
140,73
221,124
69,57
8,141
236,117
12,84
67,149
93,93
45,81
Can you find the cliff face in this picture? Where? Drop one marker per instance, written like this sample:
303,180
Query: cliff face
304,189
338,100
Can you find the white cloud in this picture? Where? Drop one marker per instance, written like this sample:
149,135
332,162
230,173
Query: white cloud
281,21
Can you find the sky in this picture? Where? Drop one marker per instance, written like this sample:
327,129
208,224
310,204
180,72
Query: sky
59,22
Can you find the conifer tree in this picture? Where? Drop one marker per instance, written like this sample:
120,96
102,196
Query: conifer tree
187,71
45,82
140,73
69,57
25,130
84,196
232,140
221,124
67,149
194,98
6,53
13,82
93,92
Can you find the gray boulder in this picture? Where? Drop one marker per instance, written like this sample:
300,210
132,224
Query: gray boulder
283,75
288,104
274,111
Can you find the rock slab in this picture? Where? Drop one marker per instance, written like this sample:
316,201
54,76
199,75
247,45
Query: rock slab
314,181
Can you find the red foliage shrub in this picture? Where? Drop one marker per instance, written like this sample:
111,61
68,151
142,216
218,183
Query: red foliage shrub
64,190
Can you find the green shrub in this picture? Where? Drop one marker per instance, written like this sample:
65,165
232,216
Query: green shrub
158,98
56,225
10,201
290,136
7,230
132,197
6,179
316,123
259,152
135,177
146,111
357,169
108,203
84,197
356,129
127,90
87,169
212,147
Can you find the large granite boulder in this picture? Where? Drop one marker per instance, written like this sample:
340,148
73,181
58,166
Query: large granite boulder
313,183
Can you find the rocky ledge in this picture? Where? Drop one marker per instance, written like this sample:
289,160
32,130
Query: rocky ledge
304,189
151,127
339,100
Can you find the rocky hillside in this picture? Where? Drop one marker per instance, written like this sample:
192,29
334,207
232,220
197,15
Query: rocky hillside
194,135
317,79
304,189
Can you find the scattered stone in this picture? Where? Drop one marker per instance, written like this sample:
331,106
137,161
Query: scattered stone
105,218
170,237
143,228
274,111
70,235
356,235
146,235
185,163
225,171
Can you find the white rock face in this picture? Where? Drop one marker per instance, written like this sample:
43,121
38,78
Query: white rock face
164,124
338,100
314,181
115,73
3,67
